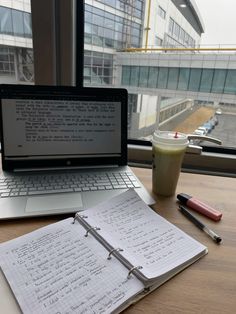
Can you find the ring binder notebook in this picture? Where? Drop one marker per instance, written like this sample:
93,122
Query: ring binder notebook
133,269
77,216
91,229
112,251
47,269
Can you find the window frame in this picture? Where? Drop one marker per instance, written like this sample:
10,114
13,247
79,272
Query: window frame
59,64
54,41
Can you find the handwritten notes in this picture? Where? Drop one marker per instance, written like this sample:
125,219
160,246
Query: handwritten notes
146,238
56,270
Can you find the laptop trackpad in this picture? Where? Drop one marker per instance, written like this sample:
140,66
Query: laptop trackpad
65,202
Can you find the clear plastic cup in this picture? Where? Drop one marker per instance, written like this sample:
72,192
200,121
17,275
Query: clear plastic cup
168,149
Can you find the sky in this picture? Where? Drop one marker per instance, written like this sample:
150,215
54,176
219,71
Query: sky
219,17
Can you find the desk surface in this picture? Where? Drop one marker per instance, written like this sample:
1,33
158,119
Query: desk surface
209,285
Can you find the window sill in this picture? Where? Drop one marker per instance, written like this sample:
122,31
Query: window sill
205,163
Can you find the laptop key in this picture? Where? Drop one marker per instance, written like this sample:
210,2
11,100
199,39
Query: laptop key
130,186
109,187
50,191
136,185
5,191
85,189
77,189
14,194
119,186
101,187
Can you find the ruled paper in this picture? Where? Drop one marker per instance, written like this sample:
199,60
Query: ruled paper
148,240
56,270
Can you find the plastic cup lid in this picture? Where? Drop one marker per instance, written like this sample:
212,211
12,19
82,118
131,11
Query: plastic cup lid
170,137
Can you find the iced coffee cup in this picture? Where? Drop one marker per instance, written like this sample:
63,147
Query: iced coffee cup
168,149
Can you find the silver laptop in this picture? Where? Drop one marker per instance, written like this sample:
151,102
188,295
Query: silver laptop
64,149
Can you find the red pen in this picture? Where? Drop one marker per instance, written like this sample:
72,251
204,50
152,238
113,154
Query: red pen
199,206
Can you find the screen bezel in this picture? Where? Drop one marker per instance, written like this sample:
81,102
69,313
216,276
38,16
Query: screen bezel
37,92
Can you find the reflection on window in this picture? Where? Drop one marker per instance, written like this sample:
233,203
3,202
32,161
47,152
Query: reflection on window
162,77
7,61
178,36
111,30
16,54
15,22
161,12
194,79
98,68
218,81
230,86
158,41
183,78
166,87
173,78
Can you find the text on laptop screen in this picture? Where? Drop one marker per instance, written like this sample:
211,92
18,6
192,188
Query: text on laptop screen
50,128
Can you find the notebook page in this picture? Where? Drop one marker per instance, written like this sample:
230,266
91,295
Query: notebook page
56,270
148,240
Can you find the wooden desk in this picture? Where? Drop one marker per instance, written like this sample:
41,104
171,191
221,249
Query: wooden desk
209,285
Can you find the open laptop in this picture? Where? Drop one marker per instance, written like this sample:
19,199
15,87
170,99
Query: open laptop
64,149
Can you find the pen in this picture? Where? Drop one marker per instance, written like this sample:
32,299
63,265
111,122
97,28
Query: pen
199,224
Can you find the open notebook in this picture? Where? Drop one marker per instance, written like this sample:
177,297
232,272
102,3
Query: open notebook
100,261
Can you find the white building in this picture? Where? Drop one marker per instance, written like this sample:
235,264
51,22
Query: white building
16,57
166,24
172,23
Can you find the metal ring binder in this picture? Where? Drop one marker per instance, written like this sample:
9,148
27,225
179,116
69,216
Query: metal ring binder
132,269
77,215
114,250
90,229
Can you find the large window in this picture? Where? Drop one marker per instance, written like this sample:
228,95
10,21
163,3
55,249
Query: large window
179,35
167,89
15,22
161,12
7,65
16,54
111,29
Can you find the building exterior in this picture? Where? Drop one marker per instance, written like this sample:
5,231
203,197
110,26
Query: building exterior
114,25
111,26
172,23
16,55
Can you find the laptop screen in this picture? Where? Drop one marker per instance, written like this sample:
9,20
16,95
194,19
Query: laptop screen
68,126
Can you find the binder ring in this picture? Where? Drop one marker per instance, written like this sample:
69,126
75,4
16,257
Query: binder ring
114,250
90,229
132,269
77,215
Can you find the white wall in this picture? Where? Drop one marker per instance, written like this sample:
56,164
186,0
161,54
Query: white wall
159,26
22,5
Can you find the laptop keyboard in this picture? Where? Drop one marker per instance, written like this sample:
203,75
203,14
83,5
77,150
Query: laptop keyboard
64,183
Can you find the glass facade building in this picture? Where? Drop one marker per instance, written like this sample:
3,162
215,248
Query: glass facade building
110,26
187,79
113,30
15,22
16,53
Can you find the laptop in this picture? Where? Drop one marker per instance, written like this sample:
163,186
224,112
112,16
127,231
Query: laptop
64,149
